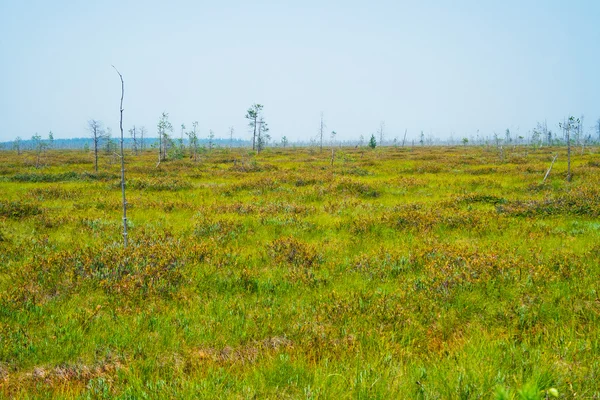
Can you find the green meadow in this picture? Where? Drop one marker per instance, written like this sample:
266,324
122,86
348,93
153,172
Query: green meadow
425,272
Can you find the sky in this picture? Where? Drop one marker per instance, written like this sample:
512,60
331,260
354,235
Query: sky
455,68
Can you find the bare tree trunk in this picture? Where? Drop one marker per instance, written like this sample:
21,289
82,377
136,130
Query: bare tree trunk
549,169
321,131
259,143
332,156
96,155
142,132
123,162
159,148
254,135
134,137
404,140
581,134
568,155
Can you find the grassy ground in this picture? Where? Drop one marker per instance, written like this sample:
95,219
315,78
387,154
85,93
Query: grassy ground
394,273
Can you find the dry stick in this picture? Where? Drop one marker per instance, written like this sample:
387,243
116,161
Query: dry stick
123,163
549,169
404,140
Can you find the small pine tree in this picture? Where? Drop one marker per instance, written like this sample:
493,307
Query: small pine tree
50,143
39,146
17,145
176,149
372,142
193,140
211,139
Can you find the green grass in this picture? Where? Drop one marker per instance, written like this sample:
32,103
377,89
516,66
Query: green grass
395,273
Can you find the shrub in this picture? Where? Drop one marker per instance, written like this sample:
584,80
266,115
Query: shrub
357,188
43,177
156,184
293,252
18,209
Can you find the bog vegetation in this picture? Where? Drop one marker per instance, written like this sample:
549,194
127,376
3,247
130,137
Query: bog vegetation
426,272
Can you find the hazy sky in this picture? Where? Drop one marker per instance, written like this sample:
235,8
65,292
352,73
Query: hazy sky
440,66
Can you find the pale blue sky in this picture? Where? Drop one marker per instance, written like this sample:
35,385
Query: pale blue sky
438,66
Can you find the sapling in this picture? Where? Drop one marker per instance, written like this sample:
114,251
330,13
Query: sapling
373,142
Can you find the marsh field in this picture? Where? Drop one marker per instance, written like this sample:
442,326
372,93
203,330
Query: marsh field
425,272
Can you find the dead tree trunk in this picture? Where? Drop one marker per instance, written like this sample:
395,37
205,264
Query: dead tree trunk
254,134
332,156
549,169
321,130
568,155
123,162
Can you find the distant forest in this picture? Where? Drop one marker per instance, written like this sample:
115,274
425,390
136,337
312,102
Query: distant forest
571,131
84,143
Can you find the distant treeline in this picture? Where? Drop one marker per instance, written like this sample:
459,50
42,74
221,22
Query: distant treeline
84,143
536,139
